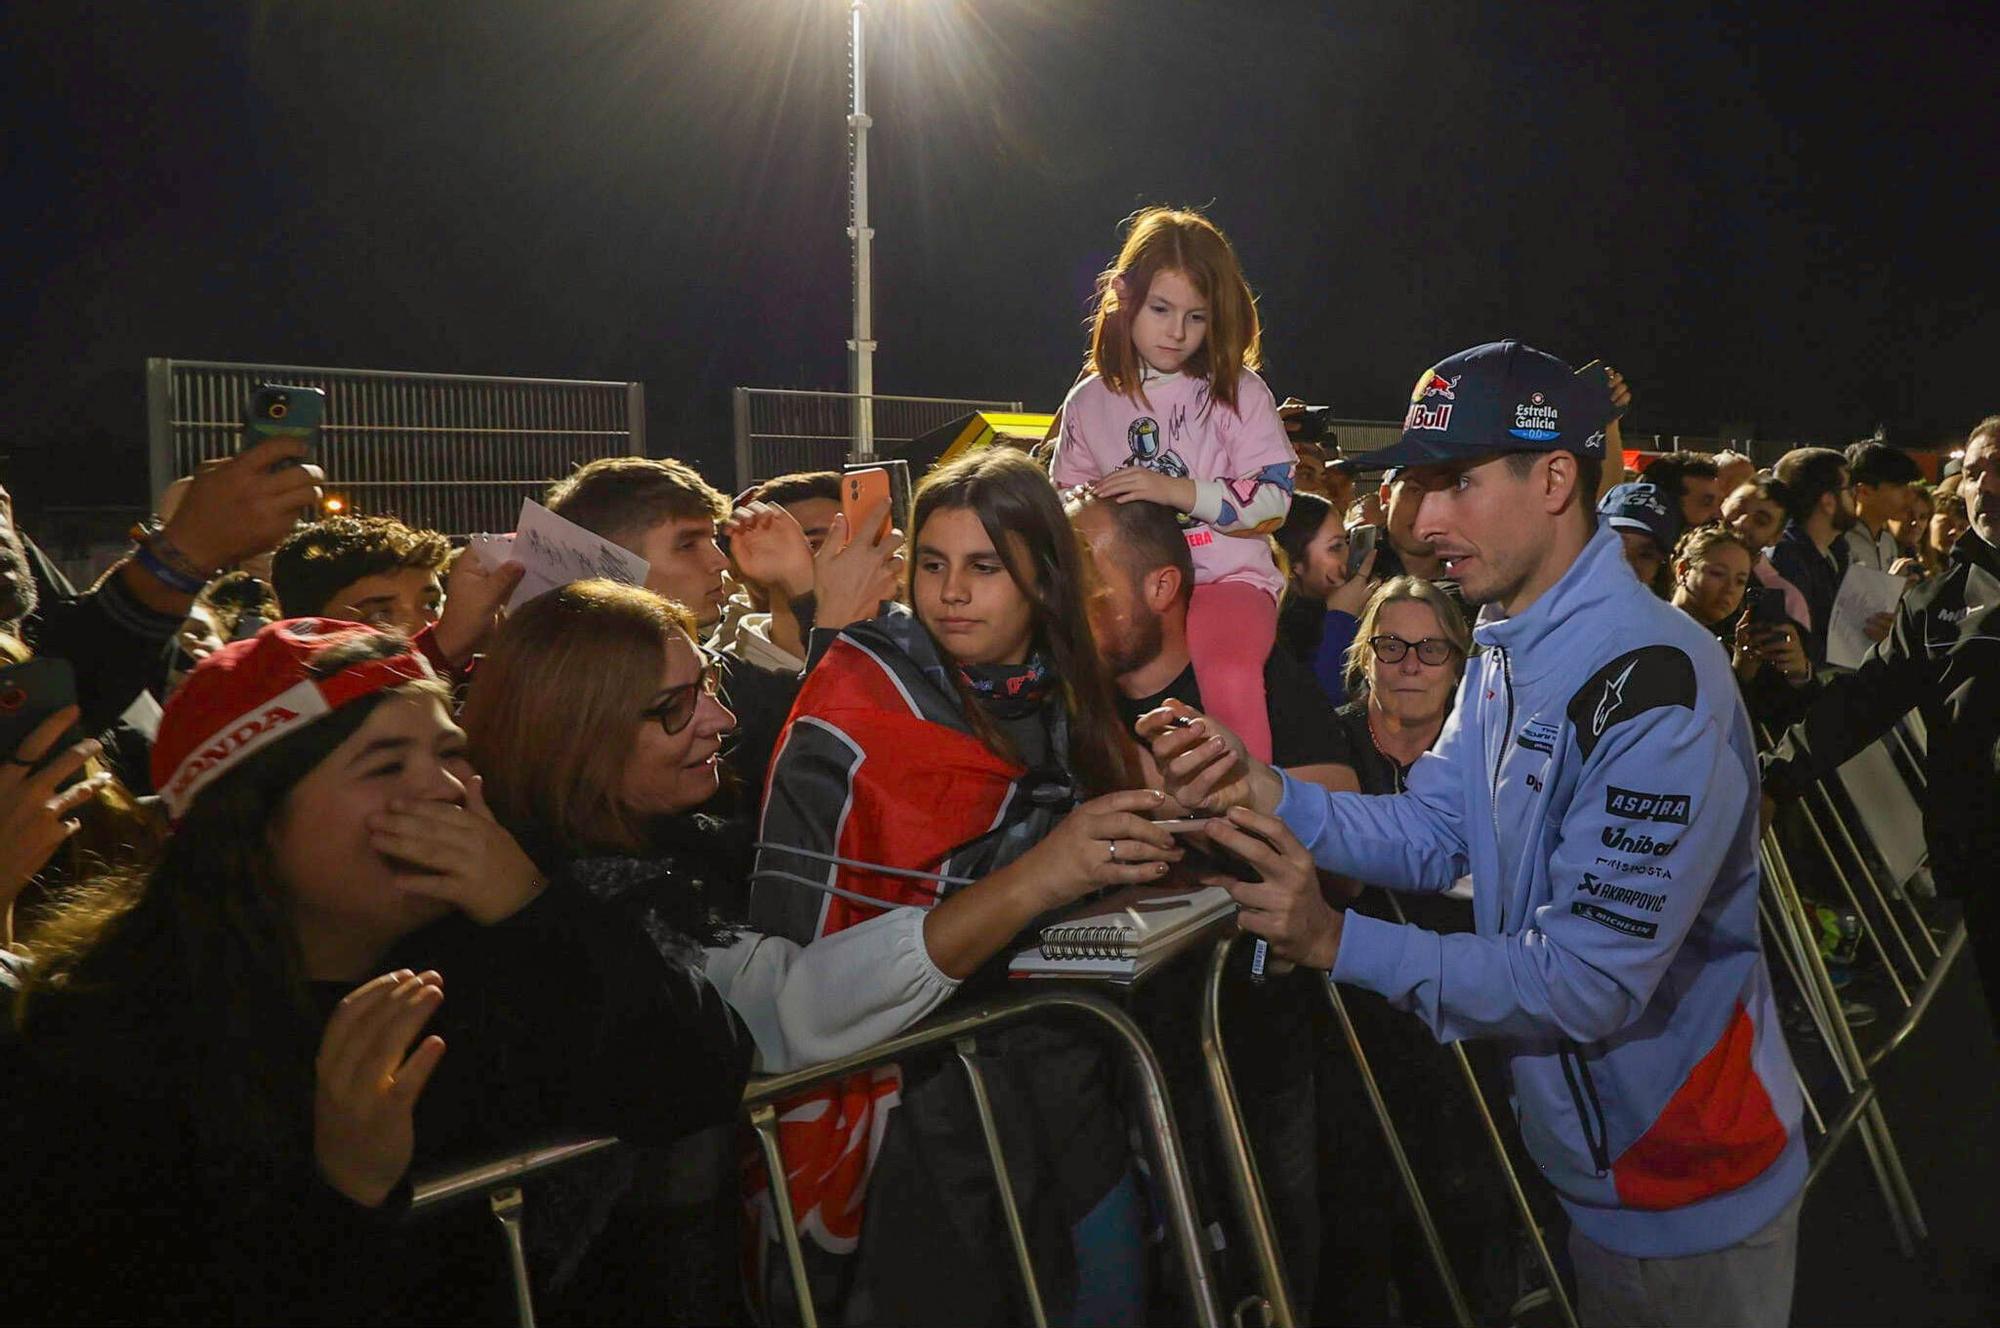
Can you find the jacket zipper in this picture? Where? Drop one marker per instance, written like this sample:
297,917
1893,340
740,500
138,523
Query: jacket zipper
1597,1140
1493,800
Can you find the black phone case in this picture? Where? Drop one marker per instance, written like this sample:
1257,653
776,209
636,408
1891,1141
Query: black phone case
29,694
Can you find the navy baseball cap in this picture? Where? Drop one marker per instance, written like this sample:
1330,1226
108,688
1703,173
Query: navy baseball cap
1639,506
1498,398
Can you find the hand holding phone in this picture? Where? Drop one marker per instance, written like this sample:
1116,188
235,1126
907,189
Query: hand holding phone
1204,855
860,490
1765,606
1360,543
29,694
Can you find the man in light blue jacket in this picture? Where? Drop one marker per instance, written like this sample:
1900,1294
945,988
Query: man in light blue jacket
1598,780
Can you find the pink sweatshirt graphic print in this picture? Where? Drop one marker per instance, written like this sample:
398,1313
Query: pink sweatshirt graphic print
1240,460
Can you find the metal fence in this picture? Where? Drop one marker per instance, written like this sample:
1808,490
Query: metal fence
779,431
451,452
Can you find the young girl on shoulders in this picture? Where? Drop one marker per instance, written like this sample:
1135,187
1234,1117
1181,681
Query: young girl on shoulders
1171,411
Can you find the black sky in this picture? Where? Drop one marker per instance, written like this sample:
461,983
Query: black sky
1765,215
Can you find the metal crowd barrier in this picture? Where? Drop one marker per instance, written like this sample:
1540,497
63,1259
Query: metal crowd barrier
500,1180
1248,1186
1914,963
961,1030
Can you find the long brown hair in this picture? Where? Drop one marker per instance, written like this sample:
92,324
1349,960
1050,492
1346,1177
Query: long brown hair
1022,515
1184,241
553,710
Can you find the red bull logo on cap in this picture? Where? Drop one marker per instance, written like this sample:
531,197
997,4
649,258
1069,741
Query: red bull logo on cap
1427,417
1431,383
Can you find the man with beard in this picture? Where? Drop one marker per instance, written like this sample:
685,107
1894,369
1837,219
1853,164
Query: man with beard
1811,553
1139,617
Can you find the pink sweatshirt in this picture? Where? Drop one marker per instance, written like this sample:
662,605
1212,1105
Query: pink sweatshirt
1240,460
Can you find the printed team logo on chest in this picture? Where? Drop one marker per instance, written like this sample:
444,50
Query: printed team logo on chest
1538,735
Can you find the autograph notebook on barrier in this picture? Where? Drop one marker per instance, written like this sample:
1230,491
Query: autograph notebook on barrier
1120,937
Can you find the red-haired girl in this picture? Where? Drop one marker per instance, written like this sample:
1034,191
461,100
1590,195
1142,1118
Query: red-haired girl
1171,411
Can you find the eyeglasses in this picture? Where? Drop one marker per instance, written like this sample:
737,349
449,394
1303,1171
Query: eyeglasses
676,709
1431,650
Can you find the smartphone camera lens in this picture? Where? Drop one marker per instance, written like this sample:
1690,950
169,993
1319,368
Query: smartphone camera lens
277,409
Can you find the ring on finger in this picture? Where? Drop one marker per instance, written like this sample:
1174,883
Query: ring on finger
1113,846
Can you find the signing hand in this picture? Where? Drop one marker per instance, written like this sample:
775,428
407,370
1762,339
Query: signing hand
1878,625
368,1080
770,549
1107,841
1202,764
1286,908
458,854
1135,484
475,600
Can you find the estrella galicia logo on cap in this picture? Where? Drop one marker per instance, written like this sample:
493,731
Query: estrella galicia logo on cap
1536,420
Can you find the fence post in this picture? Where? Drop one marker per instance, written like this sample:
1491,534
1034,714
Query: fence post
635,417
159,428
740,426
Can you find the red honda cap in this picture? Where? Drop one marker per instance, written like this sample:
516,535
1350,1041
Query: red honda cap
251,693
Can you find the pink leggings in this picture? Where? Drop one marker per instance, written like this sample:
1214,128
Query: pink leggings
1231,628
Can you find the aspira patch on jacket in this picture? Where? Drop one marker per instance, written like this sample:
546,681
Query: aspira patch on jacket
1648,678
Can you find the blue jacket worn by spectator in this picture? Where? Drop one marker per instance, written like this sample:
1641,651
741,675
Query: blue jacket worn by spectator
1817,574
1604,800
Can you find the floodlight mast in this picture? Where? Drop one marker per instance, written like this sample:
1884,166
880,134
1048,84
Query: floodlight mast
861,348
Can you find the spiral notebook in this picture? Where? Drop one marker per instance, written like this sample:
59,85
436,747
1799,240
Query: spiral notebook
1121,937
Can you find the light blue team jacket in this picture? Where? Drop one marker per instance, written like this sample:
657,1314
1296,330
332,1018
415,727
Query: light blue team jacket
1598,779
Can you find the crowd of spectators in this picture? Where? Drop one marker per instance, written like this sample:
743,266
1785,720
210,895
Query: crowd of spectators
393,877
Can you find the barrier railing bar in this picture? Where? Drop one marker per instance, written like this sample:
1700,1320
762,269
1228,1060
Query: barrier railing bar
1887,1163
1900,890
1247,1184
511,1169
1954,945
1461,1312
1171,1165
506,1205
1843,1124
764,1120
1494,1140
967,1049
1776,942
1872,932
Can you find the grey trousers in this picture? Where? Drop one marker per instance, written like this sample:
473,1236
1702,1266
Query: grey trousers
1747,1285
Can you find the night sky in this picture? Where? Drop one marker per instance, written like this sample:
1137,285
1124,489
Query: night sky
1767,216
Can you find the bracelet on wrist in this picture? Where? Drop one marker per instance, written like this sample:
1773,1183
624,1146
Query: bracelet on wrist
173,556
171,577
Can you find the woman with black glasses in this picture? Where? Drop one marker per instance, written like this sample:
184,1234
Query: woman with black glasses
1405,663
1402,673
601,722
